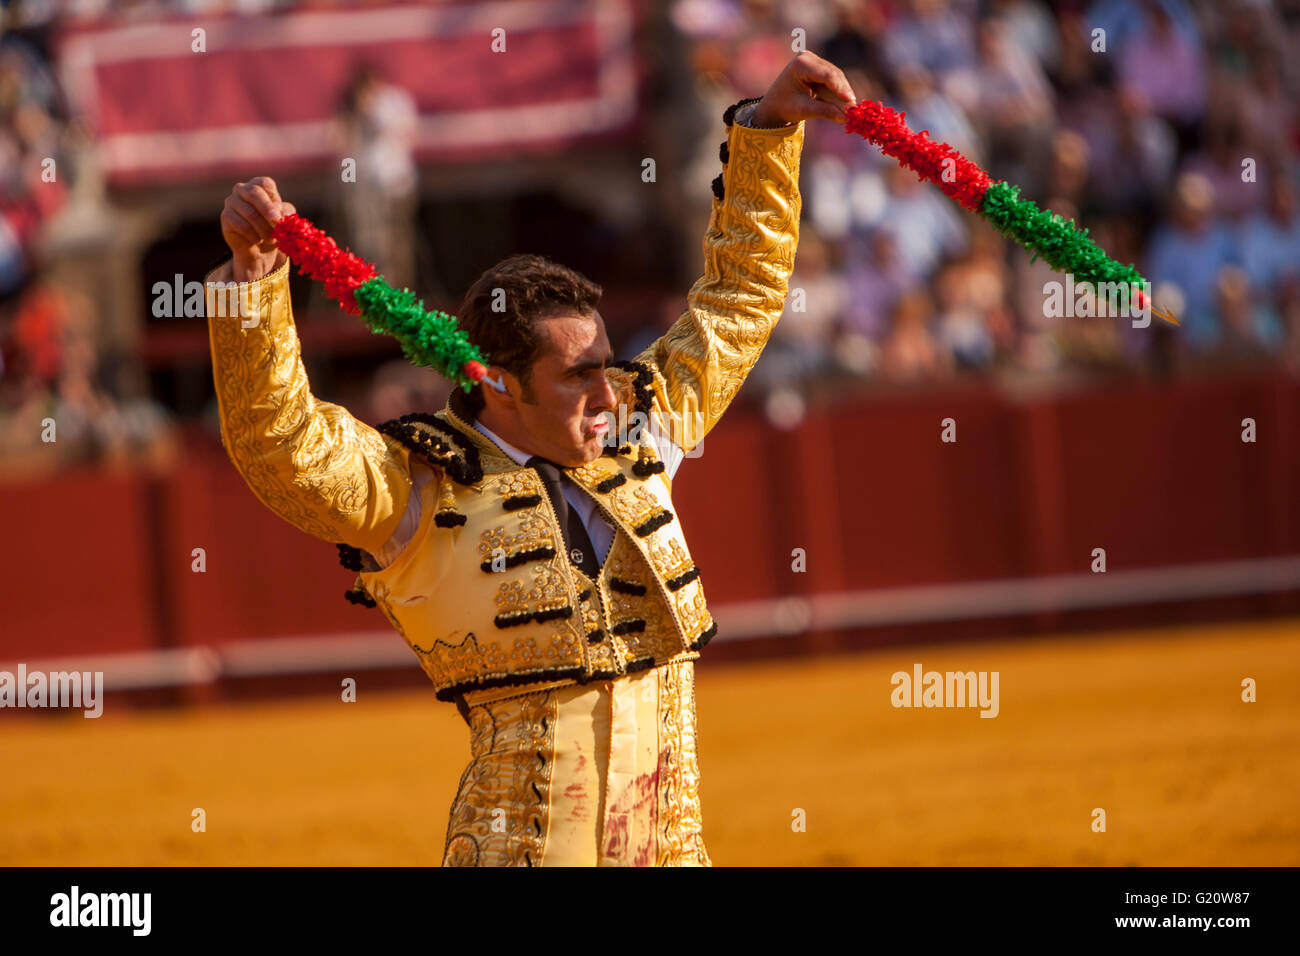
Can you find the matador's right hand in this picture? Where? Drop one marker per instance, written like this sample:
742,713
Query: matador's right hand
251,210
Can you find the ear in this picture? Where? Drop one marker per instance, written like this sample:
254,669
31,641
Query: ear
501,399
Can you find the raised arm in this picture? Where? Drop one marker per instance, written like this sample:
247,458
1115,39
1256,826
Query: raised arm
309,461
700,363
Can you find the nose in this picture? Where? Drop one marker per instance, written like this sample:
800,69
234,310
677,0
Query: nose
604,399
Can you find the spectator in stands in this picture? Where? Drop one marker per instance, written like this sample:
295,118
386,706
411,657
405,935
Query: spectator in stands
974,324
1189,252
800,345
1008,98
1220,162
1268,243
910,353
877,279
934,34
1250,328
929,109
1131,151
925,223
1165,66
377,129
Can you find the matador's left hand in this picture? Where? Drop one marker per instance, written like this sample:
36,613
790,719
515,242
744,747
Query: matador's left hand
808,88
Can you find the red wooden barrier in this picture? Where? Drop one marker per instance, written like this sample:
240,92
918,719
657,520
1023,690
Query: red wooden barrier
1156,475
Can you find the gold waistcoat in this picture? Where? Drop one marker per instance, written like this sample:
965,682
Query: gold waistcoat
533,619
495,543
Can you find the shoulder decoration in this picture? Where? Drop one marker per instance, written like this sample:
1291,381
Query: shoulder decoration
440,444
638,379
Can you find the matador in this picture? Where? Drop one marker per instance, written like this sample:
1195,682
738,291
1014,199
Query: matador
523,541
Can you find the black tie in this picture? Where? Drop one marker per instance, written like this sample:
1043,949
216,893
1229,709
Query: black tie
576,540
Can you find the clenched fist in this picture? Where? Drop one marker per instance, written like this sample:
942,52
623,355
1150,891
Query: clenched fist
251,209
808,88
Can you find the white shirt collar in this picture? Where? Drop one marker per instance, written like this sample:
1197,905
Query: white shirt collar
519,457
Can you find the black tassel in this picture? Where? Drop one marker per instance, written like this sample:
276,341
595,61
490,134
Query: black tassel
518,558
640,664
651,525
704,638
679,582
449,519
626,587
514,620
645,467
515,502
628,627
359,596
542,616
612,482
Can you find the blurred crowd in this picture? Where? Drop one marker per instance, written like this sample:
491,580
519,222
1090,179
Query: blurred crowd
1166,128
60,397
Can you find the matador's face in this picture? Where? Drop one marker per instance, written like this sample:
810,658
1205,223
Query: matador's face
562,414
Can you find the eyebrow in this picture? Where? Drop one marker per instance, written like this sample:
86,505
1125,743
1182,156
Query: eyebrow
589,364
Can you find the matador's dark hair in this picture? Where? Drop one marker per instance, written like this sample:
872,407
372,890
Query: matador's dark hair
501,309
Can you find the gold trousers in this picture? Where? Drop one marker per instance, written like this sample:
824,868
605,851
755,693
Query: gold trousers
599,775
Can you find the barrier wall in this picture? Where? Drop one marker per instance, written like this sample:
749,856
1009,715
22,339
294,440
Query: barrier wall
1156,475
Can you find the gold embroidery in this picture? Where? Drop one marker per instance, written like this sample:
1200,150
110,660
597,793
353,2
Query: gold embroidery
594,472
534,532
670,559
517,483
512,746
635,512
548,593
681,840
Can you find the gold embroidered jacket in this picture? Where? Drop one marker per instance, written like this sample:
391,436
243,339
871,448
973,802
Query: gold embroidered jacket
484,593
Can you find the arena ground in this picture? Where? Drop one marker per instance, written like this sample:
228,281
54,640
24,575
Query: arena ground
1149,726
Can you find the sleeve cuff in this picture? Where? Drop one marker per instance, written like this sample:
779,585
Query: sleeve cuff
740,115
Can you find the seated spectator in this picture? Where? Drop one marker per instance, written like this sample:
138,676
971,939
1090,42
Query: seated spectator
1165,67
1131,151
1268,243
931,34
800,345
1008,98
929,109
1220,162
974,323
1189,252
925,224
877,279
910,353
1250,328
